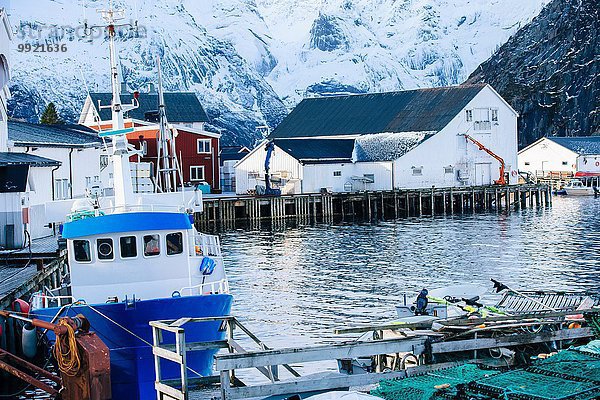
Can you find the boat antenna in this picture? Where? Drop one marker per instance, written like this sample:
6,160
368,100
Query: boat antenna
168,173
118,133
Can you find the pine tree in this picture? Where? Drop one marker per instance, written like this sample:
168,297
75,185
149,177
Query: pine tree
50,115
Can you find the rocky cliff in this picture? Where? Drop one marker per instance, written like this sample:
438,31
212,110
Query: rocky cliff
549,71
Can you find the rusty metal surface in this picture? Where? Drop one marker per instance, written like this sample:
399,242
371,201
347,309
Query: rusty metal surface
93,380
25,376
8,357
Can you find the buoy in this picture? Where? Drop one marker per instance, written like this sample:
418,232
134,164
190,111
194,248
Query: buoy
574,325
442,386
20,306
29,340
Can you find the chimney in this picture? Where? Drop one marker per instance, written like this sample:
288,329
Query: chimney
151,88
124,88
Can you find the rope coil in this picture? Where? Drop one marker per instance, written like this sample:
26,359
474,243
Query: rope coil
65,351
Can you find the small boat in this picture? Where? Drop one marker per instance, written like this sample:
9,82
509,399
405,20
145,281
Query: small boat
575,187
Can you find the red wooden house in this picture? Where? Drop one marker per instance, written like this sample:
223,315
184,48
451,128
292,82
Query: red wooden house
197,149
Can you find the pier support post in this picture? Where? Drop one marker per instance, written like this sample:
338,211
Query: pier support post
432,202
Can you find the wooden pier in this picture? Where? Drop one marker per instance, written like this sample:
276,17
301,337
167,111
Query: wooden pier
223,212
38,266
428,351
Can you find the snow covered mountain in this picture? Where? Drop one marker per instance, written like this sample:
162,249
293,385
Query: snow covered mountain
249,61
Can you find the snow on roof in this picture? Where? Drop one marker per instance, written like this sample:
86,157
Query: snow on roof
387,146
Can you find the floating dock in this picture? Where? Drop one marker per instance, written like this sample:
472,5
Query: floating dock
227,212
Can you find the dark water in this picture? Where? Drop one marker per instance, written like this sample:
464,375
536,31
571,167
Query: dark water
296,285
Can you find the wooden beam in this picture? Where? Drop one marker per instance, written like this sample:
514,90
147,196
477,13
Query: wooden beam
328,381
510,340
317,353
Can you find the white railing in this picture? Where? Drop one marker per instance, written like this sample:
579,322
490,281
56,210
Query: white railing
43,300
216,287
205,245
124,209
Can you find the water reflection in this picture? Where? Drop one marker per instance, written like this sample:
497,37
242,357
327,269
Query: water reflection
293,287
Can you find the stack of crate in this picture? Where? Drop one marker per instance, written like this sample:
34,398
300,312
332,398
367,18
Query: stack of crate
141,175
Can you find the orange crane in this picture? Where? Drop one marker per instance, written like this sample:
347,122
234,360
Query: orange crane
502,179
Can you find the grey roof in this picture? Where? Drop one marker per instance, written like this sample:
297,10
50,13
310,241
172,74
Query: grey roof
581,145
315,150
233,153
417,110
26,134
26,159
181,106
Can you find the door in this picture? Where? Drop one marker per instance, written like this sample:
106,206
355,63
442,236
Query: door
483,174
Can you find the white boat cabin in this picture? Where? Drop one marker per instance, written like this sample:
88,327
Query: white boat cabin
141,255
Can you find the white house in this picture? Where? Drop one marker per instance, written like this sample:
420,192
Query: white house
17,170
76,147
578,156
408,139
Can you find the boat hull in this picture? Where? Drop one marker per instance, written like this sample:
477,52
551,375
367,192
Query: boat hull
131,359
585,191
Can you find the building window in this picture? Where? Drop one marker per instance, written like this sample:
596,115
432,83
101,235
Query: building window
174,243
103,161
494,115
61,189
203,146
565,163
151,245
253,175
81,249
105,249
128,247
469,114
417,171
197,173
482,119
337,173
449,169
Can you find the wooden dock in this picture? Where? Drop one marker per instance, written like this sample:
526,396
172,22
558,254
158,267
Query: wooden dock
430,350
229,212
25,271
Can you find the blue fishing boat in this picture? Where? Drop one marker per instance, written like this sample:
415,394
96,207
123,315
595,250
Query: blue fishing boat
136,259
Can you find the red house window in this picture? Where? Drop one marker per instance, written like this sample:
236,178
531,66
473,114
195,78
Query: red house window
196,173
204,146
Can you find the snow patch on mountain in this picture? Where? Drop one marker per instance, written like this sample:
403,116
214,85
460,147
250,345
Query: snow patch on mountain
250,61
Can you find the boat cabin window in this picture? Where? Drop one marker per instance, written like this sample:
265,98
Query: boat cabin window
81,250
151,245
105,249
174,243
128,247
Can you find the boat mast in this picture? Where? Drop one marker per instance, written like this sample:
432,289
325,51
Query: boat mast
122,174
167,171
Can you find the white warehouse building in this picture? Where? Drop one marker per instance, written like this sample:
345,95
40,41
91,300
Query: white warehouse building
382,141
555,156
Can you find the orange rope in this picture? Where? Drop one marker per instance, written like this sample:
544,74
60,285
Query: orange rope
65,351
